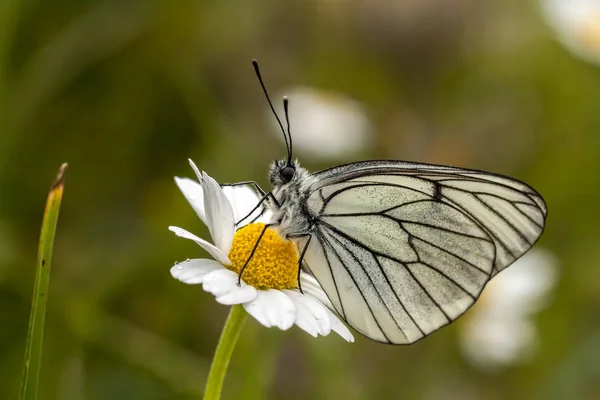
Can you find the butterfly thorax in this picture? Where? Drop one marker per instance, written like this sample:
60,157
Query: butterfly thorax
292,215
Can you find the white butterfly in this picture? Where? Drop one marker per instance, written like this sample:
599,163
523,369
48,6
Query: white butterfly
401,248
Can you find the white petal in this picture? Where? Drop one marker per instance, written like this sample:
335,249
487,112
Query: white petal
194,195
311,316
193,271
272,308
196,171
311,287
219,214
220,282
223,283
214,251
338,327
243,199
266,217
241,295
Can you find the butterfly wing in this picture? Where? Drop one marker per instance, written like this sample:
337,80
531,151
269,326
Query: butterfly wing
402,249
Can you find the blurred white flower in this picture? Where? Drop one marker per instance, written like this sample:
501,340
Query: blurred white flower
325,124
500,329
577,23
268,288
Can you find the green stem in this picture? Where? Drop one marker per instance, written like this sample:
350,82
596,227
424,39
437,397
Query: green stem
35,336
229,336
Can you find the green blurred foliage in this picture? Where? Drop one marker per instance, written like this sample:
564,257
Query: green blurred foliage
125,91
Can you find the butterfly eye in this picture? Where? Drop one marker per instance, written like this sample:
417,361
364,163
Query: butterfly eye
287,173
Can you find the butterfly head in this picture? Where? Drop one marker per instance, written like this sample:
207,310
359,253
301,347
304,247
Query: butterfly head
282,171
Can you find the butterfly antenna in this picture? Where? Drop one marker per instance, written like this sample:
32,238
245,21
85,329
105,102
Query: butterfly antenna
287,121
257,70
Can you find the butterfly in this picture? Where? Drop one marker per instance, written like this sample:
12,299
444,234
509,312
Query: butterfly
400,248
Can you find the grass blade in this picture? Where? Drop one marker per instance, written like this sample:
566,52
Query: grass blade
35,336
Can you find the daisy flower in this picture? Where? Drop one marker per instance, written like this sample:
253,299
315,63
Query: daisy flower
577,24
500,329
328,124
268,288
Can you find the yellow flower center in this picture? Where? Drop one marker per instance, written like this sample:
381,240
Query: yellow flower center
274,264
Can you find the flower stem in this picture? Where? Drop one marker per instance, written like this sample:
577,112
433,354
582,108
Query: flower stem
229,336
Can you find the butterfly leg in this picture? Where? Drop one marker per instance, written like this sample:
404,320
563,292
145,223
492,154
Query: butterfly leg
262,233
258,188
302,253
265,197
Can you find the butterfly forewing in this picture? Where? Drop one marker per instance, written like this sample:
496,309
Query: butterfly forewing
402,249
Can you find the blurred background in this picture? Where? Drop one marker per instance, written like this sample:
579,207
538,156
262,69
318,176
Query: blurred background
125,91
